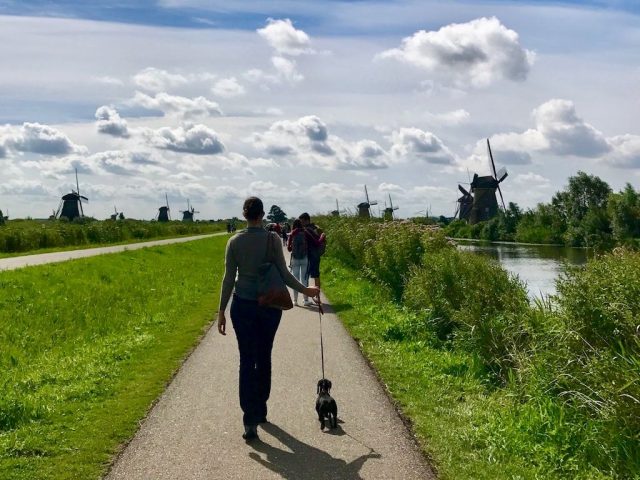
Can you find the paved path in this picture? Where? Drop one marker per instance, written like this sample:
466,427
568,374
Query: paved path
12,263
194,431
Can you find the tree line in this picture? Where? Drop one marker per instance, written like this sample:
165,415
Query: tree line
587,213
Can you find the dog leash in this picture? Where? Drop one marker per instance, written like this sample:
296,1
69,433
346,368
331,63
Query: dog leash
320,313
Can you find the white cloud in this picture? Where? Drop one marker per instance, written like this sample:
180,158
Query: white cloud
452,118
37,138
560,131
196,139
307,141
25,187
412,143
228,87
286,69
182,107
567,133
110,122
285,38
107,80
476,53
158,80
626,151
532,178
120,162
390,187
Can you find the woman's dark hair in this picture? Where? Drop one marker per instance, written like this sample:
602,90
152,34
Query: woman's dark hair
305,216
297,223
252,208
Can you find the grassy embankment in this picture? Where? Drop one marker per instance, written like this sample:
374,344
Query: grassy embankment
495,388
86,346
23,237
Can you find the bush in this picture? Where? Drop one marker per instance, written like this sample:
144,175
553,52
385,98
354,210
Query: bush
25,235
473,300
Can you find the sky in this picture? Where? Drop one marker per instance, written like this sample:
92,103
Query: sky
303,103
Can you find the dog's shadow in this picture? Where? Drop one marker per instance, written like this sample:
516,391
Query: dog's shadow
305,461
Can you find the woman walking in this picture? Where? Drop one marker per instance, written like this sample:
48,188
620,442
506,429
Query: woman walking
255,326
297,245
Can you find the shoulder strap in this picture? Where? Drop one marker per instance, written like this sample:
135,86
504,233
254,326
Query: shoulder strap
267,254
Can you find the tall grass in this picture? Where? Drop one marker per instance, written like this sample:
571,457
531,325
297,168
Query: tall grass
565,372
87,345
28,235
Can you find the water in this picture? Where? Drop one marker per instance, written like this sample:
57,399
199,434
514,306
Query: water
537,265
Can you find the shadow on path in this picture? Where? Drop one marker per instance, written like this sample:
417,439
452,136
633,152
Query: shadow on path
305,461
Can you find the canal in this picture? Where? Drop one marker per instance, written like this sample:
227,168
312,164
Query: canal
537,265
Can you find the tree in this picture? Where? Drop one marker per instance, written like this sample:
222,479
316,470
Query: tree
582,207
624,211
276,215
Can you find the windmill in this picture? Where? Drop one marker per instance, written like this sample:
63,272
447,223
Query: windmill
337,212
3,218
464,204
164,212
364,208
426,212
71,204
388,211
116,214
485,203
187,215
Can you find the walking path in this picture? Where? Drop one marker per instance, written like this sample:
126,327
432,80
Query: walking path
12,263
194,431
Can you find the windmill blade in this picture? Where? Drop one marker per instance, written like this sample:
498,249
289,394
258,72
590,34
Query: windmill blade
83,198
366,194
501,198
391,202
463,190
493,165
502,174
77,183
375,202
167,200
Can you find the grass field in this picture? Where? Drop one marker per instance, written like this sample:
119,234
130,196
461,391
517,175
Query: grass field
21,237
87,346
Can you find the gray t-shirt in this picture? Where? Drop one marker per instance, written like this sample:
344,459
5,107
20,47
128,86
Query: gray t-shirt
246,251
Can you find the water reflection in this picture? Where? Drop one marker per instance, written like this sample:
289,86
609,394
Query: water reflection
537,265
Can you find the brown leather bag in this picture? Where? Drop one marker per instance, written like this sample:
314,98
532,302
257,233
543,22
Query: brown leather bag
272,291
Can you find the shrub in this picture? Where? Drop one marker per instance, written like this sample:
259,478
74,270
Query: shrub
472,299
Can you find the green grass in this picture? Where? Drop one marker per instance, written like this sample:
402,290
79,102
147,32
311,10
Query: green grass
87,346
95,245
470,426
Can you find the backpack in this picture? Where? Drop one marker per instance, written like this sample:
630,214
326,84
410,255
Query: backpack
299,246
323,247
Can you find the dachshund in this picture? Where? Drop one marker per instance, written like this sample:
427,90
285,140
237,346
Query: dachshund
325,405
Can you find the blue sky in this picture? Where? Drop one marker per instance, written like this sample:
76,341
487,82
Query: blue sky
306,102
310,15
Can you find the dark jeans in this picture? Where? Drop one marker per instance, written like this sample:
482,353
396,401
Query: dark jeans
255,329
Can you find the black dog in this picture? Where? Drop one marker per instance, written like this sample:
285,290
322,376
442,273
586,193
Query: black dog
325,405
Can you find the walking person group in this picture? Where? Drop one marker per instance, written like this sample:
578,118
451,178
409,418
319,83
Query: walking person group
306,243
256,325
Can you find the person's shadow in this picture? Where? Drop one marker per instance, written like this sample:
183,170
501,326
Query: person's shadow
305,461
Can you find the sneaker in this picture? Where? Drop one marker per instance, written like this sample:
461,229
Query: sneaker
308,303
250,433
295,302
